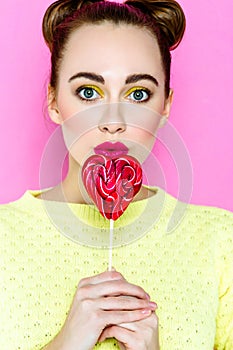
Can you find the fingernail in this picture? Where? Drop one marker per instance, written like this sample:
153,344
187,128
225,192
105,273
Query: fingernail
153,305
147,295
146,312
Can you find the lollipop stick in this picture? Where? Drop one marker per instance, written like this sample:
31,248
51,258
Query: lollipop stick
110,244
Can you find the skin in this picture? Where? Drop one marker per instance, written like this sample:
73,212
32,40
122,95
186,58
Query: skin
111,301
114,307
114,49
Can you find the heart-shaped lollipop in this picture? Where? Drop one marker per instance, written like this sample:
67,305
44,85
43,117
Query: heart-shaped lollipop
112,183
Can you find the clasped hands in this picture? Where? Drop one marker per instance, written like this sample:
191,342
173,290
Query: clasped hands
106,306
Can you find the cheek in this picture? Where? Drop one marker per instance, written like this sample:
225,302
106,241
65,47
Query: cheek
145,124
65,106
68,104
82,148
141,143
158,99
142,136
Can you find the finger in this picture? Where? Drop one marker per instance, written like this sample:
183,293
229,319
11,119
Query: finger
132,326
122,287
102,277
121,345
117,317
124,303
115,287
151,322
121,334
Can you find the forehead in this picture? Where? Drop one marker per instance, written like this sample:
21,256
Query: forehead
100,47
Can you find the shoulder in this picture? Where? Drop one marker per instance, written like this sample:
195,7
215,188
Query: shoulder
202,215
209,230
13,209
208,226
217,223
217,220
19,217
212,226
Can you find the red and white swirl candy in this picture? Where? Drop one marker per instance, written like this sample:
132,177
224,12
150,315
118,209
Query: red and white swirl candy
112,183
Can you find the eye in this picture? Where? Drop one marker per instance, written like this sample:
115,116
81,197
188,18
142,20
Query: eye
89,93
138,94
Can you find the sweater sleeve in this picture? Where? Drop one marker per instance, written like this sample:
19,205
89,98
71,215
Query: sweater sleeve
224,248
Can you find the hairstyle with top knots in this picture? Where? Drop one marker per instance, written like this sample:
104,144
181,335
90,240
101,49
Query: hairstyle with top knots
164,19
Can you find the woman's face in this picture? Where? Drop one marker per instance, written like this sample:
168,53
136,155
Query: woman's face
110,65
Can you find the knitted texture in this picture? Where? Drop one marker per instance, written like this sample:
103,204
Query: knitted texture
188,273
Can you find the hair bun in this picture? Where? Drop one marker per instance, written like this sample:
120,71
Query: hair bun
169,16
56,13
167,13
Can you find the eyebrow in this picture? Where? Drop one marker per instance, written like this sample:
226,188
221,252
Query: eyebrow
88,75
134,78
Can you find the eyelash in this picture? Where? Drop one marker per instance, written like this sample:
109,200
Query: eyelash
95,89
81,88
141,89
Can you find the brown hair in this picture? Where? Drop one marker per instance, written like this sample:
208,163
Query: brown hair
164,19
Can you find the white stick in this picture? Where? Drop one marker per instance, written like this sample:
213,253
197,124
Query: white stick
110,244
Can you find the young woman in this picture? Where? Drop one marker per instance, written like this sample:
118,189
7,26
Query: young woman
172,291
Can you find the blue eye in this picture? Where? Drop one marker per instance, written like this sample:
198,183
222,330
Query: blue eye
89,93
138,95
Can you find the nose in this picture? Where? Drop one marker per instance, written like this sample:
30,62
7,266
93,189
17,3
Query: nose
112,120
112,128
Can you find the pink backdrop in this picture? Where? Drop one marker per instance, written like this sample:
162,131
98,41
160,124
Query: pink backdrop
202,112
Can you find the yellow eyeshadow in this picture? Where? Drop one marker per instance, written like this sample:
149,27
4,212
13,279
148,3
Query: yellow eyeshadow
135,88
96,88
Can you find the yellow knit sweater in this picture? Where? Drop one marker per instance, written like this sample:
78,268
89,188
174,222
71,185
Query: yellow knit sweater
189,273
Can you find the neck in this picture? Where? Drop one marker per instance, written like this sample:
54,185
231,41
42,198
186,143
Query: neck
69,190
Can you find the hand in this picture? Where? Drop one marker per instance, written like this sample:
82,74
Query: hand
100,301
137,335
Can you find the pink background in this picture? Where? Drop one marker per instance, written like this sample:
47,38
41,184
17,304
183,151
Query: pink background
202,112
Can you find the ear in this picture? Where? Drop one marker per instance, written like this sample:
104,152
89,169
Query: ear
52,105
167,108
